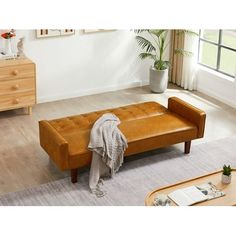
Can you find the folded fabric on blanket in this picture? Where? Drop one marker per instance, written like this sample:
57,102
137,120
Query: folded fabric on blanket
108,145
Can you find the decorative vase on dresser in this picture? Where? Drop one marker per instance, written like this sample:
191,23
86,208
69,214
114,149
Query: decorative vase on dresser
17,84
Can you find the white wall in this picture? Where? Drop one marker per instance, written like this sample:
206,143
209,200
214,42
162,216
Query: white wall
217,85
81,64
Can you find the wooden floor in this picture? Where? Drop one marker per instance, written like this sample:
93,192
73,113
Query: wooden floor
23,163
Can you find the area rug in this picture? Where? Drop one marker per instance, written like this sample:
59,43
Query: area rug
134,180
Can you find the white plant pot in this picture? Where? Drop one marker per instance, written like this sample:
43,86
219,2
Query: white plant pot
226,179
158,80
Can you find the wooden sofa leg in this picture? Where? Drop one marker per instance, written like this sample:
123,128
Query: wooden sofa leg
187,146
73,174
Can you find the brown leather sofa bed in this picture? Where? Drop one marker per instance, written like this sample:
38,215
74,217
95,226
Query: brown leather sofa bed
146,126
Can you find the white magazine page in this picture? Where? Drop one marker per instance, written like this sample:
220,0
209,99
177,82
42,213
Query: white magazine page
180,198
195,194
187,196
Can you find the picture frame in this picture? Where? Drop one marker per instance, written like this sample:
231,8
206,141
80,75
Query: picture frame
46,33
90,31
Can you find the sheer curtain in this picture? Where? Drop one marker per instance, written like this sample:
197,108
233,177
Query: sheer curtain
184,69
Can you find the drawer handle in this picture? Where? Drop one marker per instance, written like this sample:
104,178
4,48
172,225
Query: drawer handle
16,101
15,87
15,72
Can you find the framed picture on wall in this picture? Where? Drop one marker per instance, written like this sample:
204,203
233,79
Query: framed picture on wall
45,33
67,32
88,31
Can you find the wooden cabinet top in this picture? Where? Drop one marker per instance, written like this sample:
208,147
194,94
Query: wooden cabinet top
15,62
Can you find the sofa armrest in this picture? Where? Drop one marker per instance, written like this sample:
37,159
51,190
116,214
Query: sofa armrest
189,112
54,144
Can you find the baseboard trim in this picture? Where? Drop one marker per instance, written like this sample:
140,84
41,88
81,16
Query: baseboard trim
216,96
79,93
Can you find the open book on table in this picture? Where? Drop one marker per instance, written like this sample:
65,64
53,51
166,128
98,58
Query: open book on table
195,194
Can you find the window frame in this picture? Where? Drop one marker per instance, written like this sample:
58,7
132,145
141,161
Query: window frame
219,47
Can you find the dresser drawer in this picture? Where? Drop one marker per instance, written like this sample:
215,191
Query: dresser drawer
16,86
17,100
17,72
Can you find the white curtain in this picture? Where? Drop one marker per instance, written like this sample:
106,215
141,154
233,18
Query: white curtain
189,71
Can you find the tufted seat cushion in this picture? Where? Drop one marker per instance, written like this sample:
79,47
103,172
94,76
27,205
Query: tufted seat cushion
146,126
136,132
126,113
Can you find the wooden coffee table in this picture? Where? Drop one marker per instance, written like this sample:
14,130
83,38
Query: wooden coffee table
229,189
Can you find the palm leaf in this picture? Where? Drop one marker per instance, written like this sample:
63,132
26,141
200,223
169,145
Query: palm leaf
157,33
145,55
161,65
183,52
155,48
187,32
139,31
167,63
144,43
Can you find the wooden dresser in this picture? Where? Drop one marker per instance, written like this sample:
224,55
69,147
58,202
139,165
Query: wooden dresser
17,84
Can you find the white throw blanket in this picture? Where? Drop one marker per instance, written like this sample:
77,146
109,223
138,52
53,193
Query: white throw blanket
108,145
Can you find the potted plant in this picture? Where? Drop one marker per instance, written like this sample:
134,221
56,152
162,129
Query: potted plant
155,44
226,175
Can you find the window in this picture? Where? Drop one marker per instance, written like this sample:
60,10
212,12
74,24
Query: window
217,50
